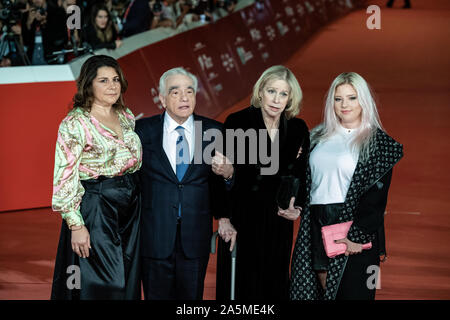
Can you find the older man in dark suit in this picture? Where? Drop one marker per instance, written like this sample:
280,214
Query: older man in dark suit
181,191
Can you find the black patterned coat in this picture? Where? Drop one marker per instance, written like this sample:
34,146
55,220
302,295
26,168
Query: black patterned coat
385,153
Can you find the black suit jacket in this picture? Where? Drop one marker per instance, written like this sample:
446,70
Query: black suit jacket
201,193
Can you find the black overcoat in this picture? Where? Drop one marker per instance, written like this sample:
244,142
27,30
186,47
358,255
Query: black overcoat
264,239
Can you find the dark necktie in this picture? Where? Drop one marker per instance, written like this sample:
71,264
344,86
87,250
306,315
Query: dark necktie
182,158
182,153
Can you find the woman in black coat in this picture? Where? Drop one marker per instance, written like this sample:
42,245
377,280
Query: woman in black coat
264,231
348,178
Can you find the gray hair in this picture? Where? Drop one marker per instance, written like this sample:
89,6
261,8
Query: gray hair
173,72
370,120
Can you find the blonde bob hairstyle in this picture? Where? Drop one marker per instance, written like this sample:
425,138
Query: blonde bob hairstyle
279,73
370,120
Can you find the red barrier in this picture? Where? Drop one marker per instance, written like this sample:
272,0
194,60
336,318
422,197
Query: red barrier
227,56
29,122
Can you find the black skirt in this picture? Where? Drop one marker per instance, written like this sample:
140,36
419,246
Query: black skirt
111,211
321,215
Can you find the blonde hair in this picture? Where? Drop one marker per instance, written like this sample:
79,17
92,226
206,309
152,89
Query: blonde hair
280,73
370,120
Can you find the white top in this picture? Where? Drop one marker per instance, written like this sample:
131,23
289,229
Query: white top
170,136
332,165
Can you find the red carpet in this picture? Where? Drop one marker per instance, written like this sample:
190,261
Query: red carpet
407,64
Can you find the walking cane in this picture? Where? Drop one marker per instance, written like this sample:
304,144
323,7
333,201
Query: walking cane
233,262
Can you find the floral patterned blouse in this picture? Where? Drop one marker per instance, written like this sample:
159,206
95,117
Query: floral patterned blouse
86,149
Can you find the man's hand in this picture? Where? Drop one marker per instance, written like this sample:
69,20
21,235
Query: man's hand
222,166
227,231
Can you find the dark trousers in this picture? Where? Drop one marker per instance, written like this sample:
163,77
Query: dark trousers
321,215
174,278
111,212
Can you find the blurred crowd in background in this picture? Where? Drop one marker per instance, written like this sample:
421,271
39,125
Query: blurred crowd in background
35,32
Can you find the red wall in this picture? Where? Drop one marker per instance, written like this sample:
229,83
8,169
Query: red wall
31,112
29,119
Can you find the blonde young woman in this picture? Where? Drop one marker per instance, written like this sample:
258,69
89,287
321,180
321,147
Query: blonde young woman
349,174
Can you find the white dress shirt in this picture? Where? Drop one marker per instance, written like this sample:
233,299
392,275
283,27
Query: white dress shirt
170,136
332,163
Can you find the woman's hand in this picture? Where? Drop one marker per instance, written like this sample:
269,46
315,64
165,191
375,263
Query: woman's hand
227,231
81,242
352,247
291,213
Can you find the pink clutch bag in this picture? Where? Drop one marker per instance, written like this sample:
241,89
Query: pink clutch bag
336,232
